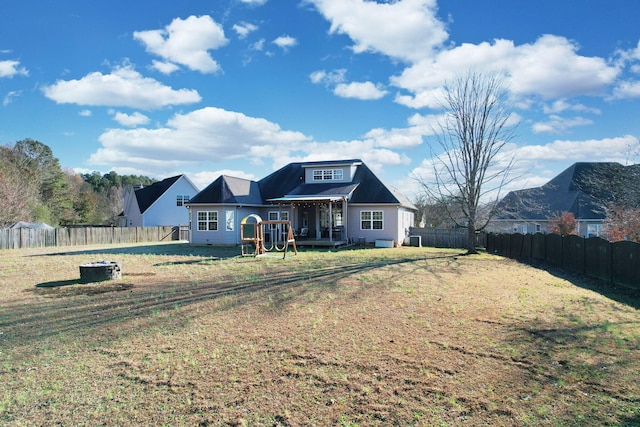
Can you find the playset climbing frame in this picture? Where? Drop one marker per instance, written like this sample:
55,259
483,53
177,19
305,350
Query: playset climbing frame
254,232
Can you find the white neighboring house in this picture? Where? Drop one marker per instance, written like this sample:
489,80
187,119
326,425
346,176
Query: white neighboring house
159,204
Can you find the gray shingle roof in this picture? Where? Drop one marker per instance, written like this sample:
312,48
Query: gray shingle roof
583,189
289,181
229,190
147,195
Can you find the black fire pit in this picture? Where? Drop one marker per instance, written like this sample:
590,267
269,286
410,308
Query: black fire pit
100,271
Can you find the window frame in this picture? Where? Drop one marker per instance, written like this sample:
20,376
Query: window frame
372,217
209,221
182,200
320,175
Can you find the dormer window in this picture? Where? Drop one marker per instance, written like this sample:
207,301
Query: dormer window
328,175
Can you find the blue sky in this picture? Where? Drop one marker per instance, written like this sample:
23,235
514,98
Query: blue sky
243,87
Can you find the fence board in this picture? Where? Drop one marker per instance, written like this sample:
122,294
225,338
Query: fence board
626,264
538,247
573,253
515,245
553,249
598,261
446,237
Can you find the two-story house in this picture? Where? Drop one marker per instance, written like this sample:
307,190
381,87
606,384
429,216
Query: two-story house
162,203
333,201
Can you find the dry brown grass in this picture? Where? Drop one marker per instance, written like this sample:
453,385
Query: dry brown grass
407,336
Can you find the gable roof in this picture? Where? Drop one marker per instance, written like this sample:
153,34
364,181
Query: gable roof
583,189
230,190
288,184
146,196
149,194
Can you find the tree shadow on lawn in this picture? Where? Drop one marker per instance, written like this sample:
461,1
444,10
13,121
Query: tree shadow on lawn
48,289
86,311
581,359
621,294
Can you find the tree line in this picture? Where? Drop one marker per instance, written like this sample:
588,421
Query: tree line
35,188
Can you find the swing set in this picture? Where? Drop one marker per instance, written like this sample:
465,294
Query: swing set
254,232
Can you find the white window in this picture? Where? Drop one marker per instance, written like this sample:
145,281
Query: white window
327,175
181,200
371,220
594,230
208,221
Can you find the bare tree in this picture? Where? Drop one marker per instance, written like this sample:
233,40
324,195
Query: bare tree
472,136
19,195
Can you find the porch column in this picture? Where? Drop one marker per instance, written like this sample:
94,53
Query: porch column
345,220
330,221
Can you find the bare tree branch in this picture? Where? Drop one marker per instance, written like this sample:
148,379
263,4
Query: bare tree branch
472,137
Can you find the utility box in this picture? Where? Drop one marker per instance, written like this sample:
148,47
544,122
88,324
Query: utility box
415,241
383,243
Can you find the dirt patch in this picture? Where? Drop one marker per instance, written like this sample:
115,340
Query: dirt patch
406,336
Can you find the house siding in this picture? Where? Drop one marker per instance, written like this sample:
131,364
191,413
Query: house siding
133,217
389,225
224,235
164,211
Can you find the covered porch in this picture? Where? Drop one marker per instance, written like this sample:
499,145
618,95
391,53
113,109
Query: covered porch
318,221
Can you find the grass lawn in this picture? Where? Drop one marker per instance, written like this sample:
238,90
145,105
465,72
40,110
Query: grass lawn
199,336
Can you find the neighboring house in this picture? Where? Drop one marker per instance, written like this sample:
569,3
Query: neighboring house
334,201
162,203
582,189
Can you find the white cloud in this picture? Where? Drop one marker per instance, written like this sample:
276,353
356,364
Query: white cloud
243,29
337,79
411,136
408,30
605,150
550,68
626,90
85,113
328,78
557,124
124,87
561,105
186,42
8,99
359,90
285,42
213,135
10,68
205,135
254,2
164,67
130,120
259,45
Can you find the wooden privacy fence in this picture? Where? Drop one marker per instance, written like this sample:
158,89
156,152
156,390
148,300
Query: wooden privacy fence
617,262
36,238
446,237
